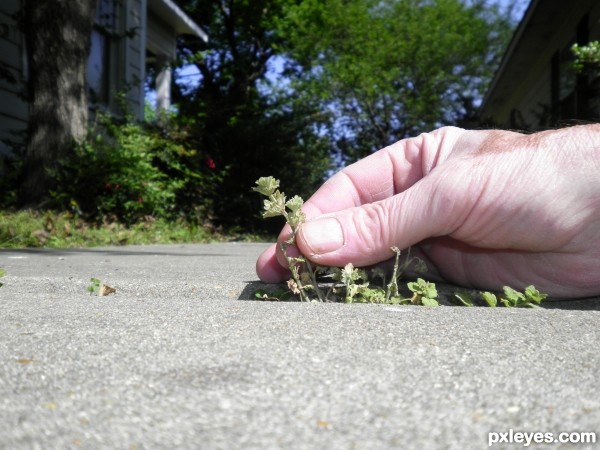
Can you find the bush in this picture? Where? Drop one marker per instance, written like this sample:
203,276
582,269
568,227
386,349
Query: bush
128,171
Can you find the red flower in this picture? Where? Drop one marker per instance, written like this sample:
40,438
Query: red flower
210,163
140,199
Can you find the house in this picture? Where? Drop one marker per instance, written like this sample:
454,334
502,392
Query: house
148,30
536,86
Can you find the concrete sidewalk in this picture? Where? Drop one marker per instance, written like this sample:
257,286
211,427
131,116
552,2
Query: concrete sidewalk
178,359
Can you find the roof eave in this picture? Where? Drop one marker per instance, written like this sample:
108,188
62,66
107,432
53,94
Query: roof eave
517,35
177,18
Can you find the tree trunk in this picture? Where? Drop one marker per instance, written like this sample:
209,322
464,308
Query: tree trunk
58,34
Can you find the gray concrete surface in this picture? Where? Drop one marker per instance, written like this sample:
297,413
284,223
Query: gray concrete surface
178,359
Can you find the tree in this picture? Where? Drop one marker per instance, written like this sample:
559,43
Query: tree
242,123
390,69
58,40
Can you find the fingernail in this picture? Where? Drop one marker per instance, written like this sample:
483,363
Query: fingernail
323,235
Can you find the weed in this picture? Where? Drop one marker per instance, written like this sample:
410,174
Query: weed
100,289
318,283
94,286
2,273
356,285
424,293
529,298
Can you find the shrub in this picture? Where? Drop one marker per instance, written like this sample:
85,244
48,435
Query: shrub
126,171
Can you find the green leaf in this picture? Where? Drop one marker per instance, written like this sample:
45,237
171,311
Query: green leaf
490,299
94,286
512,298
275,205
2,273
373,295
464,298
296,218
350,274
277,295
533,295
266,185
261,294
429,301
423,288
294,203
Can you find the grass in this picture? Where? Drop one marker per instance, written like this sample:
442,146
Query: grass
21,229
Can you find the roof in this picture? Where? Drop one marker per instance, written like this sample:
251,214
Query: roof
530,38
175,17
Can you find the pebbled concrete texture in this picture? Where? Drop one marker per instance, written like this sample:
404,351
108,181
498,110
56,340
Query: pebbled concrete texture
179,358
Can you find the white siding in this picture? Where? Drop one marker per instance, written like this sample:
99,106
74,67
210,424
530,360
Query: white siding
161,38
127,61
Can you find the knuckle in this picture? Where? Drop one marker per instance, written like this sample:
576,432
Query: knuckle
372,226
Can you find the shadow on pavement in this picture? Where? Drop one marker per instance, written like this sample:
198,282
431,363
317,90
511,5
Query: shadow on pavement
445,293
584,304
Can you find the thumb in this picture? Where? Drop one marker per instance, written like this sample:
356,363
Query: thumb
364,234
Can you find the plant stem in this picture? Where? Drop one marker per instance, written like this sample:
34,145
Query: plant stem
392,287
313,277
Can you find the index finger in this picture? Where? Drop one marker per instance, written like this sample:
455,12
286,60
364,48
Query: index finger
382,174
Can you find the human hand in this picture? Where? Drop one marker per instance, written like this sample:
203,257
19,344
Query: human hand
483,208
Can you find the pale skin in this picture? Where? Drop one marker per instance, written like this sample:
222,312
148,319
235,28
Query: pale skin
484,209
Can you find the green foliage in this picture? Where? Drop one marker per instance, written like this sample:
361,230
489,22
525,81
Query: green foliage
127,172
239,117
279,294
587,57
293,88
94,286
464,299
489,299
424,292
67,230
2,273
529,298
394,68
266,186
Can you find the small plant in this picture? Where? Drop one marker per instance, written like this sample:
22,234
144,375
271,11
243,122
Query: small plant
127,172
321,284
529,298
99,288
94,286
424,293
355,285
2,273
279,294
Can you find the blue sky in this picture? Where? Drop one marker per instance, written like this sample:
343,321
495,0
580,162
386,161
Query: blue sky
520,7
189,74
